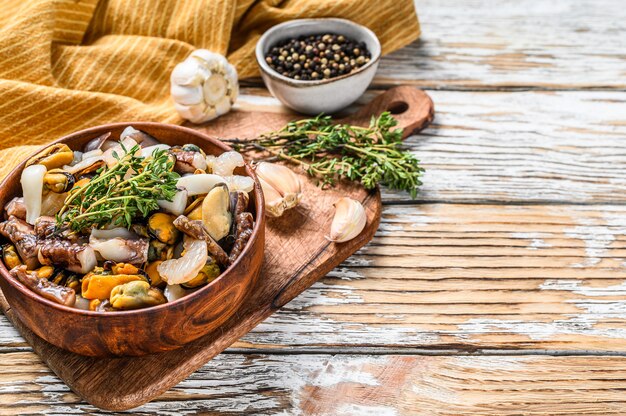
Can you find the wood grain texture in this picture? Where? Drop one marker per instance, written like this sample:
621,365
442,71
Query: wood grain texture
553,150
470,277
297,254
513,147
349,385
466,277
513,44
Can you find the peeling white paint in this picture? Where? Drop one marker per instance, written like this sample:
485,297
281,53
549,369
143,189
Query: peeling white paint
486,363
597,239
288,328
339,371
345,273
414,218
536,239
593,311
577,287
363,410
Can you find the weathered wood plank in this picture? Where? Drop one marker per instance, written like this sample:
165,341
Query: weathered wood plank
350,385
479,44
514,147
471,277
511,44
467,277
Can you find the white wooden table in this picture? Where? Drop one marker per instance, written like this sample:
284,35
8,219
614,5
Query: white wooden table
500,290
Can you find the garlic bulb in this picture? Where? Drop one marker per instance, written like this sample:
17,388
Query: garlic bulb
349,220
203,86
282,189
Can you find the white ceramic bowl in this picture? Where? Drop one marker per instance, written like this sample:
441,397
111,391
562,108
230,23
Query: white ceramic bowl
325,95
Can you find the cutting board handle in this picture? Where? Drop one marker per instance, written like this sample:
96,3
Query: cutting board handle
413,109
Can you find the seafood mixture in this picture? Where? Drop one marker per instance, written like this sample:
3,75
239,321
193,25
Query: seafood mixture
125,224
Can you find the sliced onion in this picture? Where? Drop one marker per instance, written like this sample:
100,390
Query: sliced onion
92,153
120,232
177,205
78,156
199,184
52,203
173,292
109,157
185,268
147,151
121,250
128,131
83,164
32,187
87,259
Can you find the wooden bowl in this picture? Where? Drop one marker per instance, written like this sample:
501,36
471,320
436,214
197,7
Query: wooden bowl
143,331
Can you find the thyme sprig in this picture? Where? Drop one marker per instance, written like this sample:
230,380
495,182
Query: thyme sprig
120,194
371,155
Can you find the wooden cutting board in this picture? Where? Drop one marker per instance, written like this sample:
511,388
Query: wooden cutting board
296,256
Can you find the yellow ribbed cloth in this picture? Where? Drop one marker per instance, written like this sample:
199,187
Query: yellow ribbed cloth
70,64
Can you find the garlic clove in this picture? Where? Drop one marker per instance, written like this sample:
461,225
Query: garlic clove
274,202
189,72
222,106
349,220
186,95
283,180
213,60
190,112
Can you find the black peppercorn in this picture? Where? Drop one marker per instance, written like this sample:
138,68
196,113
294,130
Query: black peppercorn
317,56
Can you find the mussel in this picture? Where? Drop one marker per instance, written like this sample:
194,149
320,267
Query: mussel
98,285
134,295
194,210
193,148
10,257
44,272
216,215
96,144
207,274
153,273
86,167
159,251
161,227
53,157
58,180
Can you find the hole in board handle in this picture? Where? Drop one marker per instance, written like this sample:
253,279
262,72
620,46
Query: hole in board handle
398,107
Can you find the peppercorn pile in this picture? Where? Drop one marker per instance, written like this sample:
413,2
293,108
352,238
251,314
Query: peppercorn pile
314,57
